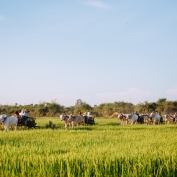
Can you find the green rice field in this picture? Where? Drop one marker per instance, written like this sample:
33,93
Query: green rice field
107,149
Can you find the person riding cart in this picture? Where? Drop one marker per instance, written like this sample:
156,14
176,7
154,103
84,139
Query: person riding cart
17,115
88,118
24,115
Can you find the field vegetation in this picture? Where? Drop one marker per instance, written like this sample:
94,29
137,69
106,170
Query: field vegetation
53,109
106,149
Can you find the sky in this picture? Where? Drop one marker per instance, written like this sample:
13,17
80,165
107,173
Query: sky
98,51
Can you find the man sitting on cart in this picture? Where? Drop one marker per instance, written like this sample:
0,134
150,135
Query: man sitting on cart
24,115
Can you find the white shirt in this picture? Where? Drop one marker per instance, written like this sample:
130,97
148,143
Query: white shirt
21,114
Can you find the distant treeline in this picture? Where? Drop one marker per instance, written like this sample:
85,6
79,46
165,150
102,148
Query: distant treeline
54,109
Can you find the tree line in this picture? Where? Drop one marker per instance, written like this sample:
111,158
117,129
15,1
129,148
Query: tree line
53,109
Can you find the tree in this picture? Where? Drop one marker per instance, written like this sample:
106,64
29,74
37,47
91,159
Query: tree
161,103
53,109
78,102
84,107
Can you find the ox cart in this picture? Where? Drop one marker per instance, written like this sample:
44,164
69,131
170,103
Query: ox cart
14,122
89,119
27,122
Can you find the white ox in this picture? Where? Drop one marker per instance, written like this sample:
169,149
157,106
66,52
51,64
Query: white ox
156,117
133,118
76,120
8,121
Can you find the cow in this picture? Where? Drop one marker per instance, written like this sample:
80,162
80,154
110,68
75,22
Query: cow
123,118
175,117
76,120
133,118
8,121
64,117
156,117
168,118
145,119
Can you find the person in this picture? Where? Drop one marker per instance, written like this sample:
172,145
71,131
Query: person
161,118
88,114
22,113
17,115
151,115
139,118
85,117
25,116
26,113
137,113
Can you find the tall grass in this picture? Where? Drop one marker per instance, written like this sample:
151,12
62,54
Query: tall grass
106,149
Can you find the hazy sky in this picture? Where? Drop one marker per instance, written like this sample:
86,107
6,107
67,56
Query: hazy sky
98,51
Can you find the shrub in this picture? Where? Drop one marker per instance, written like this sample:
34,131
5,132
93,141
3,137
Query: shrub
50,125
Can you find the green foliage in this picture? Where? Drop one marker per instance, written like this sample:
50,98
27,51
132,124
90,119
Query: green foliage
53,109
108,109
82,108
50,125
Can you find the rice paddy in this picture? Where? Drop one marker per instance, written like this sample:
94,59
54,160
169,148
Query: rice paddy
106,149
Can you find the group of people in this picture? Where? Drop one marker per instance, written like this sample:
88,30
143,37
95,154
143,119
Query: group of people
23,115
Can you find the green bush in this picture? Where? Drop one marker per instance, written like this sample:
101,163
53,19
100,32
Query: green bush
50,125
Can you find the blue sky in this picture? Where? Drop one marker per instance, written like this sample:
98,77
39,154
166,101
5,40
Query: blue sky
97,51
